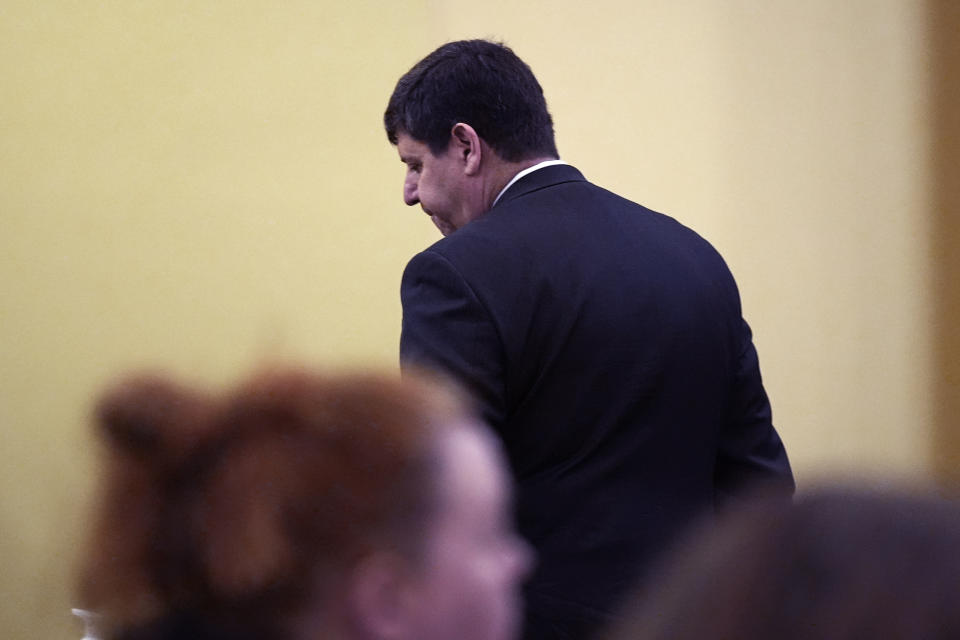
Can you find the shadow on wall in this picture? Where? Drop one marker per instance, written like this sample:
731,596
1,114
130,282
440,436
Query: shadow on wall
944,17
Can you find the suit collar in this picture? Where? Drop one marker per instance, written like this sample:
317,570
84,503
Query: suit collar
539,179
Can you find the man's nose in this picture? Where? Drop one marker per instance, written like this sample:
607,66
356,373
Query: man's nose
410,196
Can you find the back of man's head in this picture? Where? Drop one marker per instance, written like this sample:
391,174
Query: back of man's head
480,83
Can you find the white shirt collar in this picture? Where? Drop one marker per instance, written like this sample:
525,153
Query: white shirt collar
541,165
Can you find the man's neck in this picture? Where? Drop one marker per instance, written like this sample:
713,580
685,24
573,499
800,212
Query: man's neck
502,173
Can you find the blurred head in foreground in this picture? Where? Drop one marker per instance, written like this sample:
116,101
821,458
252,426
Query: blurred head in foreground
299,505
840,564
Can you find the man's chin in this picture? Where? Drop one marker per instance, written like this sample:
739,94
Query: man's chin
445,227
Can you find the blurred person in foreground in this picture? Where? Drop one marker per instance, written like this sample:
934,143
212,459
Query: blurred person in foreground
842,564
301,506
604,341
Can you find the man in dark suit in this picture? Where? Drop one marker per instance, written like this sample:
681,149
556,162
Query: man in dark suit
604,341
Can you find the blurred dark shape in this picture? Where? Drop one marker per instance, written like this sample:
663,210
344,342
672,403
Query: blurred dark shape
840,563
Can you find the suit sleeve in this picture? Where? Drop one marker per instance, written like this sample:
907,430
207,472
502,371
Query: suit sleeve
447,328
751,452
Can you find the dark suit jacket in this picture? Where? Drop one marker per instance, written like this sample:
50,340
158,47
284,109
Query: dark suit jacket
606,346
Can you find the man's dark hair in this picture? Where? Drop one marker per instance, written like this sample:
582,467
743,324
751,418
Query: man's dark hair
478,82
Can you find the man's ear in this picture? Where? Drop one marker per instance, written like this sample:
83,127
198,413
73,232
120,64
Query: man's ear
468,147
378,596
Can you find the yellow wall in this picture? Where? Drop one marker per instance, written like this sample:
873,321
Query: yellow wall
199,186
